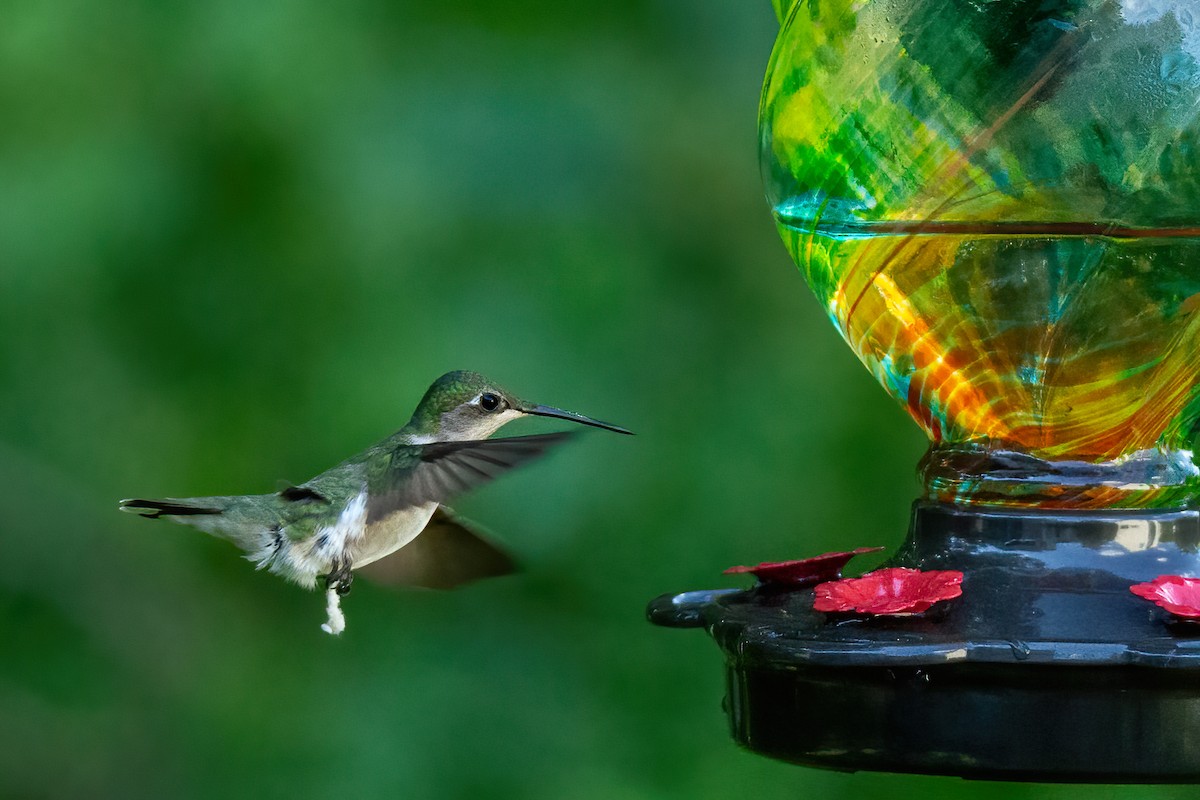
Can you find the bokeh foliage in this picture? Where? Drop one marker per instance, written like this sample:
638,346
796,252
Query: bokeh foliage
236,242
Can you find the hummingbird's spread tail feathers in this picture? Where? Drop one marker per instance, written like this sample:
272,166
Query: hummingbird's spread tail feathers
252,522
153,509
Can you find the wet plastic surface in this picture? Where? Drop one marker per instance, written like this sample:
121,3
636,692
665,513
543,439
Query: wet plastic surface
1047,668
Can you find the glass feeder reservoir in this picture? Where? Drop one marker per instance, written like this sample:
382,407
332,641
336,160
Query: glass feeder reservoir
997,203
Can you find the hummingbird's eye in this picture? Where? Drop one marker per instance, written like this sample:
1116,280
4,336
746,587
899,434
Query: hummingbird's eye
489,402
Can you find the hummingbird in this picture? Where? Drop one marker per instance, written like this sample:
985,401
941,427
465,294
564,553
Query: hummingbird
388,498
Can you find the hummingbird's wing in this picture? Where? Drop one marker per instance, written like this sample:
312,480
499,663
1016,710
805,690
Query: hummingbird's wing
414,475
448,553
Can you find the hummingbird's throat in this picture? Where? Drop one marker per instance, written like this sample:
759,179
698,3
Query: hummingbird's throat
466,423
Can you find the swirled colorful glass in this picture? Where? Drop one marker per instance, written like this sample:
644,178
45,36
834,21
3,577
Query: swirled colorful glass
998,204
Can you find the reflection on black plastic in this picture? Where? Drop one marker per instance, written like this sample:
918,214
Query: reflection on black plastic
1047,668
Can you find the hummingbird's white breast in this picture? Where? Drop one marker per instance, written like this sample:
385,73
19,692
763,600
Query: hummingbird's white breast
386,536
350,538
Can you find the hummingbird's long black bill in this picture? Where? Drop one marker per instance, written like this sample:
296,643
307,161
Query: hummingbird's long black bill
571,416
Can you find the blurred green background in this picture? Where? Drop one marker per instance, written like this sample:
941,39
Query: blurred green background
238,240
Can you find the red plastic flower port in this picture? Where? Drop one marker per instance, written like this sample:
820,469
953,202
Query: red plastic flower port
1175,593
895,590
806,571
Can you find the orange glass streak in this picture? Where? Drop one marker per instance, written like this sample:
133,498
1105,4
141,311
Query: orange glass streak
962,404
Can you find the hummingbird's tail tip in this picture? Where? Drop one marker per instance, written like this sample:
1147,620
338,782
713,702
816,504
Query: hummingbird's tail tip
132,506
153,509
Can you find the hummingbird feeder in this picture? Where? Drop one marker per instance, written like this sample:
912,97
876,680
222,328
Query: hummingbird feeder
998,206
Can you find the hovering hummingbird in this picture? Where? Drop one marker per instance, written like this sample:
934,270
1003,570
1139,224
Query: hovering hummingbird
385,498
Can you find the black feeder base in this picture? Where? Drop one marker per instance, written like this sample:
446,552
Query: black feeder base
1046,669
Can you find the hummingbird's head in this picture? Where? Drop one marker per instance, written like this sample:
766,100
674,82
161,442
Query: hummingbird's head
461,405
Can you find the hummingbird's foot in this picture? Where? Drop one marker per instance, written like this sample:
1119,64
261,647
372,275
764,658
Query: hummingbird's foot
340,577
336,622
337,585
